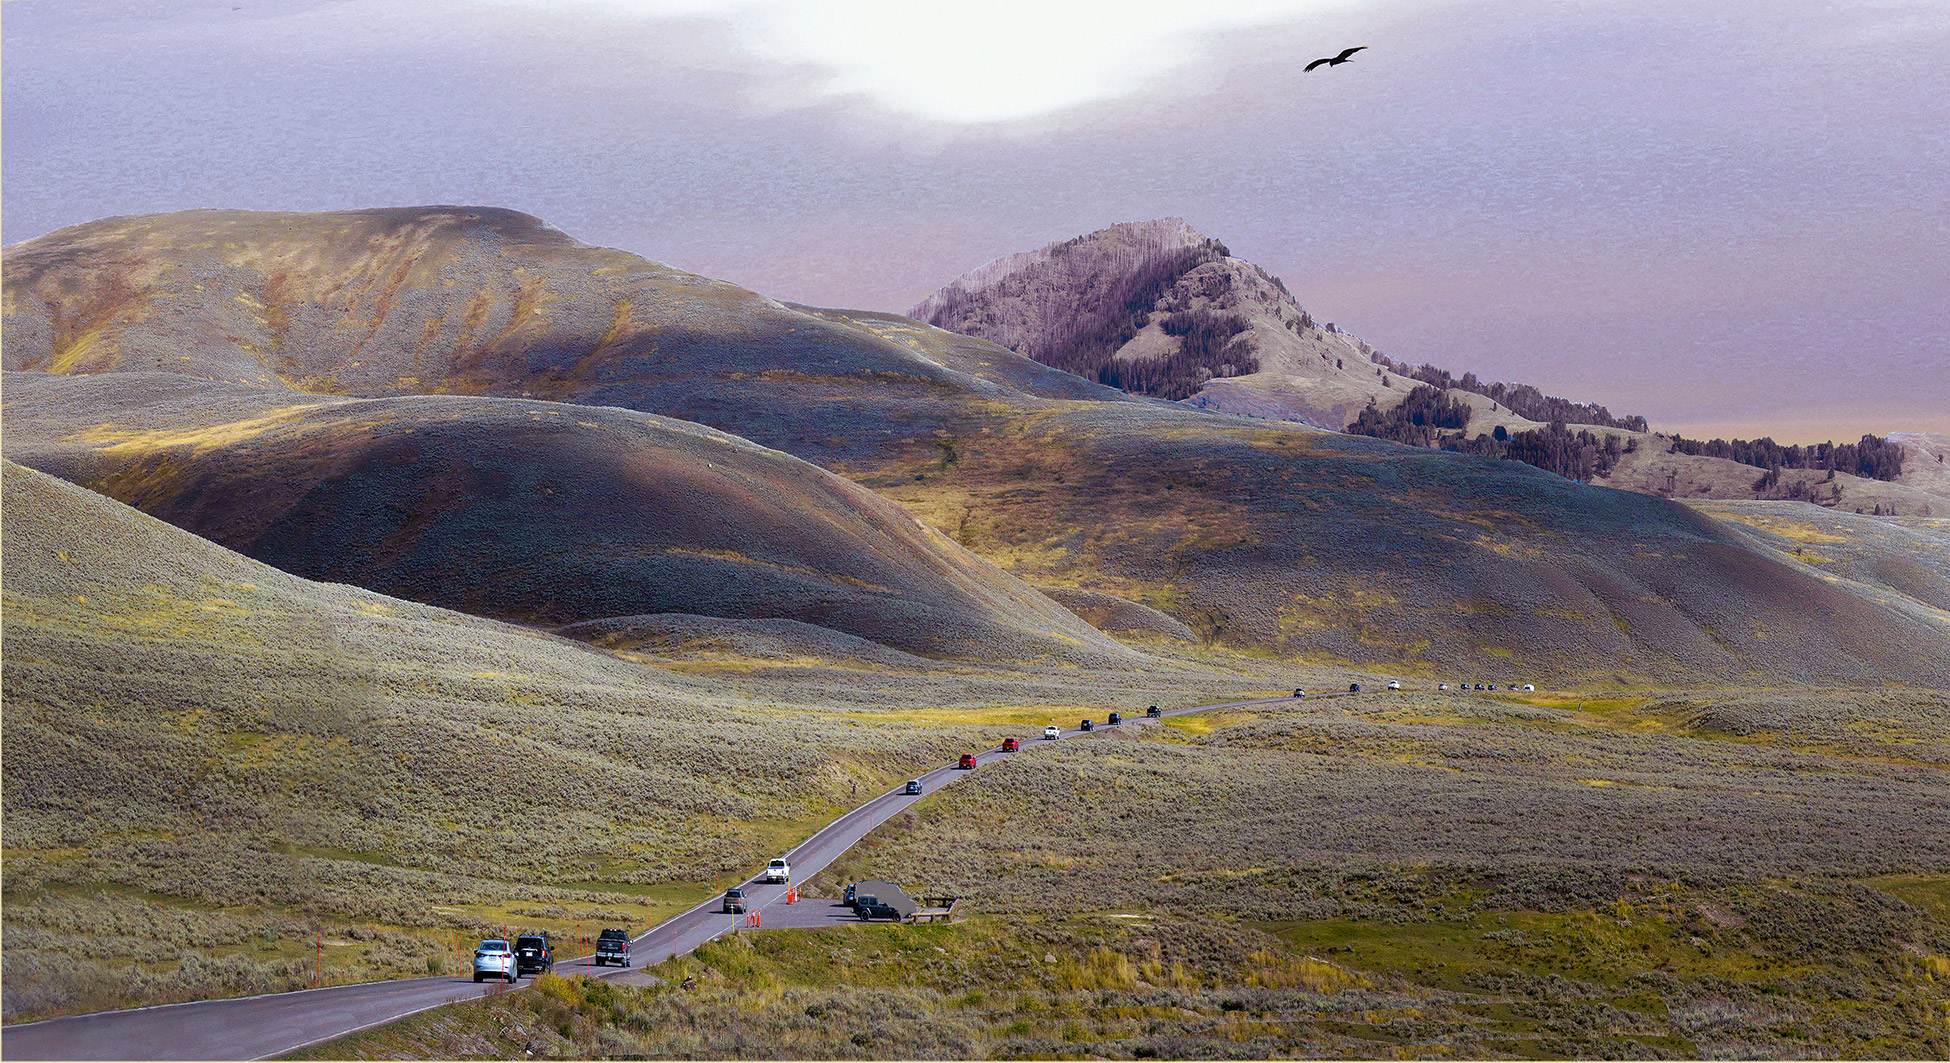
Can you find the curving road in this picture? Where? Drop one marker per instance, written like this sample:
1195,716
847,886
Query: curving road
270,1025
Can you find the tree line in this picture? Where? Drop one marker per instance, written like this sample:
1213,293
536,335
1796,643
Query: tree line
1521,399
1873,457
1423,415
1580,455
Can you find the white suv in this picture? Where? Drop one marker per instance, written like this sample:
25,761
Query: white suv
494,959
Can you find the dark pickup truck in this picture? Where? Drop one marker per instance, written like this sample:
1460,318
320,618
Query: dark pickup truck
613,947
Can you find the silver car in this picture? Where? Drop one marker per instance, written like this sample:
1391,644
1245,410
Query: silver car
494,959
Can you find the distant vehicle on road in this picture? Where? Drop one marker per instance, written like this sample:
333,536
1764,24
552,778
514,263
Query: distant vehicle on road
494,959
613,946
778,872
1442,686
532,953
1529,687
1299,692
1051,733
967,761
913,787
1153,713
1354,688
1394,684
1010,745
1115,719
1085,726
734,901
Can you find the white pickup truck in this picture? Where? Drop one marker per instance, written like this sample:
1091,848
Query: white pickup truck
778,871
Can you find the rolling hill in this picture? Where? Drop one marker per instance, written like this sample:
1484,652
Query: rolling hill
1269,538
536,512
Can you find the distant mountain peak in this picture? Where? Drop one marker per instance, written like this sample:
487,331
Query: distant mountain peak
1158,308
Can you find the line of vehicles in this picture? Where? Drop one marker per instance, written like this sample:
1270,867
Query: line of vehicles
534,954
1396,684
530,954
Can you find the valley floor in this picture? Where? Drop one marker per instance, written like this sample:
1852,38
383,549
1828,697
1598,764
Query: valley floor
1719,874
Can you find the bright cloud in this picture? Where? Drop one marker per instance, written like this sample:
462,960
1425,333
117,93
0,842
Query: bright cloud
996,61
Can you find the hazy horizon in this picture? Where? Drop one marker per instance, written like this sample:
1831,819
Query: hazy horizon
1730,219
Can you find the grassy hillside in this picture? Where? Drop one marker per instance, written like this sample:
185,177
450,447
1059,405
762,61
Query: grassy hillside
1258,538
1718,873
536,512
1903,562
1331,547
208,761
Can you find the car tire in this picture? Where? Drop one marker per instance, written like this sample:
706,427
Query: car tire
477,978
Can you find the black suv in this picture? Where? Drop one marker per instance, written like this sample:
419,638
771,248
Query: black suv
532,953
1152,712
870,908
1115,719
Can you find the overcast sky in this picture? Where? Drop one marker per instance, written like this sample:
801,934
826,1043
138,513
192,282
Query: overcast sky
1728,216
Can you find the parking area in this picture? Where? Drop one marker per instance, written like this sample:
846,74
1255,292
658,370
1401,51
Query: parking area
808,912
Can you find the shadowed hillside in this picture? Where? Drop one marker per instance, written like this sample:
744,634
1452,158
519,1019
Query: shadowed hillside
1252,536
530,511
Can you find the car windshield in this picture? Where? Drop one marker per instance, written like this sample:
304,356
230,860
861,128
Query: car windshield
529,943
734,893
777,863
494,946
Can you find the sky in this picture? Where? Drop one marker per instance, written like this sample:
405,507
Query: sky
1732,217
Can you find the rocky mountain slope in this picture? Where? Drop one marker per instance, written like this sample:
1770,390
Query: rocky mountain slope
1266,537
1159,305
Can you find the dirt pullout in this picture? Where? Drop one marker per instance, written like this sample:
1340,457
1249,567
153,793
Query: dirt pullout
531,511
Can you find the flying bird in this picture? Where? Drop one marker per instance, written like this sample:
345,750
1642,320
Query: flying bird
1336,60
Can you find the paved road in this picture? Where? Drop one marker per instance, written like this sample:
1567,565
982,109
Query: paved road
257,1027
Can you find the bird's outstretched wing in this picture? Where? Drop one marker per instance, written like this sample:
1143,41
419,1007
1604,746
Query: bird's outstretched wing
1342,58
1317,62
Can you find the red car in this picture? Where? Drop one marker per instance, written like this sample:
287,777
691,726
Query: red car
967,761
1010,745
